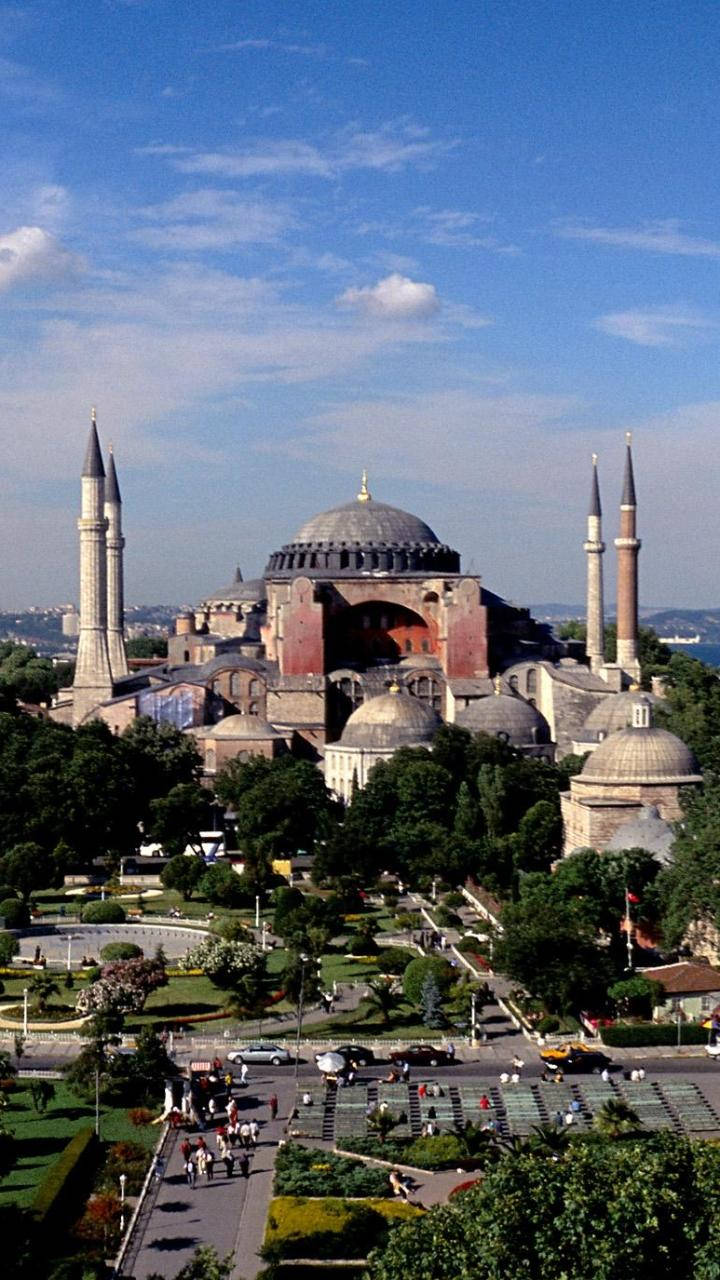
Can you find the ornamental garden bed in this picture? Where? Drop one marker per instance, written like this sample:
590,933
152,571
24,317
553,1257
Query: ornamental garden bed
304,1227
302,1171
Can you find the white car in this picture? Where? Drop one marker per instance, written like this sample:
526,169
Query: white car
260,1053
712,1050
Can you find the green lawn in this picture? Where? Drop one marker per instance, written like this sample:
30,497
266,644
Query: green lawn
42,1138
362,1021
179,999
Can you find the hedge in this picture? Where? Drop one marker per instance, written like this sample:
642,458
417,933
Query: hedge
300,1171
442,1151
629,1035
298,1227
65,1180
15,913
103,913
121,951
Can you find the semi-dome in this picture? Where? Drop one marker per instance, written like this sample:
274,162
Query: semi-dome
502,715
253,728
613,713
363,536
645,830
389,721
641,753
238,590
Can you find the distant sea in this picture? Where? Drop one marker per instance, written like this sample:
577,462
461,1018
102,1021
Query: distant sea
709,653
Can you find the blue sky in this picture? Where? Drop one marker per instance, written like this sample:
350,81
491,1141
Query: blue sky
463,244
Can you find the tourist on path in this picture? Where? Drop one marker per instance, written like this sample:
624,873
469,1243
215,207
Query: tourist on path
245,1134
254,1132
229,1162
210,1165
244,1162
190,1173
244,1074
273,1105
185,1150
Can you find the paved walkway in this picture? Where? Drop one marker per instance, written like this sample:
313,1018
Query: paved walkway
227,1213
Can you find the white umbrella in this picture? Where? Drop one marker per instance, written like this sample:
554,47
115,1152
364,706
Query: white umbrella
330,1063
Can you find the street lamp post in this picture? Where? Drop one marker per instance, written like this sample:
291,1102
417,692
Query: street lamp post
69,954
303,961
257,910
473,1019
628,930
25,1011
123,1180
434,888
264,935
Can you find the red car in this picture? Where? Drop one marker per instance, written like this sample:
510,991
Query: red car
423,1055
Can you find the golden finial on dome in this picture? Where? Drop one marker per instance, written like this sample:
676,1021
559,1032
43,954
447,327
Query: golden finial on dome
364,494
628,438
594,459
497,684
93,415
394,687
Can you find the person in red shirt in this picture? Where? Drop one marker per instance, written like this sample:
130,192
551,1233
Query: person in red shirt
484,1103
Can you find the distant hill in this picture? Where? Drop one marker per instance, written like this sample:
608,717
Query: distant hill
665,619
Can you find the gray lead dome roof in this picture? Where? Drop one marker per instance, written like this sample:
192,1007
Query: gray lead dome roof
389,721
504,715
367,523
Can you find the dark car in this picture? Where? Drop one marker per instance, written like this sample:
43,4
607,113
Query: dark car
356,1053
575,1058
423,1055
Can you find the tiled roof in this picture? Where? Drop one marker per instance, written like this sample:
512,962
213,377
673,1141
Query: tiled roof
685,978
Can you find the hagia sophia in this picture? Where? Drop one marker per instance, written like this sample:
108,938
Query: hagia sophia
364,635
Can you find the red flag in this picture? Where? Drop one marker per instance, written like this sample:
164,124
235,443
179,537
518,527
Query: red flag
632,897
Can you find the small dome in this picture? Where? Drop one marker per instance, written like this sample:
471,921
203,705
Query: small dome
504,716
251,727
613,713
389,721
647,830
641,753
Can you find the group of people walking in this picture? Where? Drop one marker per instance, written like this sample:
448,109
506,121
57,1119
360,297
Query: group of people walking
235,1143
200,1161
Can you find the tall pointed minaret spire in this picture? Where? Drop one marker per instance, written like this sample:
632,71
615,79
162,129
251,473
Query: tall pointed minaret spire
594,548
93,679
115,577
628,546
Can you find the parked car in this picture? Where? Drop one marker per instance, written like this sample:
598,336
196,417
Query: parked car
423,1055
575,1058
356,1053
713,1050
260,1053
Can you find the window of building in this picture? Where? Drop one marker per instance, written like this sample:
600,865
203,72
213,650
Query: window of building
513,682
254,688
235,685
210,759
253,709
408,646
531,685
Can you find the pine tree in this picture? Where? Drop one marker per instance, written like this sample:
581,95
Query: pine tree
431,1004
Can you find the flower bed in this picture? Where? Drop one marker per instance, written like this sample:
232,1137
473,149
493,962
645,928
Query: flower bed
298,1227
300,1171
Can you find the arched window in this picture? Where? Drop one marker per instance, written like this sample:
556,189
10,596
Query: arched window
531,685
513,682
235,685
253,709
408,646
210,759
254,688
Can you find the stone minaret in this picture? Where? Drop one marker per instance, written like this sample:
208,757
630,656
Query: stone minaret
594,548
628,546
115,583
93,678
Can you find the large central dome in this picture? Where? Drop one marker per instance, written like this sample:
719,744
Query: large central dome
365,522
363,537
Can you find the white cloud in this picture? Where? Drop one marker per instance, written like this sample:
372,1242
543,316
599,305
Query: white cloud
308,50
394,298
394,147
670,326
262,159
213,219
654,237
29,253
451,228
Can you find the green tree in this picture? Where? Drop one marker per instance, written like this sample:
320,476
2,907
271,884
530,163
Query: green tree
636,997
417,972
237,967
539,837
27,867
147,647
616,1117
383,999
224,887
183,874
43,987
177,819
554,954
280,805
42,1092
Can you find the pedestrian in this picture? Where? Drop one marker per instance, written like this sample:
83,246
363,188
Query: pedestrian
212,1108
158,1168
228,1082
210,1165
201,1159
504,1078
243,1074
273,1105
450,1050
641,1074
229,1162
190,1173
605,1075
422,1091
515,1077
175,1118
245,1134
484,1103
202,1144
221,1146
254,1132
405,1071
575,1106
559,1120
186,1150
244,1162
233,1133
569,1117
517,1063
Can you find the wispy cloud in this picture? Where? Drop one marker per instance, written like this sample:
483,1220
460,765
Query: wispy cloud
213,219
669,326
450,228
31,254
397,145
279,46
394,298
23,87
653,237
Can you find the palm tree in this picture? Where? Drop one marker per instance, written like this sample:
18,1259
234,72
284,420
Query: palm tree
548,1140
616,1117
384,999
43,986
382,1122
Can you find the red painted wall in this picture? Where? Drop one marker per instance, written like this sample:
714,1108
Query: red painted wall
466,647
303,649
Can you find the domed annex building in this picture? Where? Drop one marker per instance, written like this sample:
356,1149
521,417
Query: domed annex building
631,770
375,731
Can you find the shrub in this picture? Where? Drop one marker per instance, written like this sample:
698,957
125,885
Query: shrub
303,1172
418,970
361,944
103,913
7,892
62,1187
128,1158
630,1035
9,946
454,900
547,1024
447,919
121,951
329,1228
15,912
443,1151
394,960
